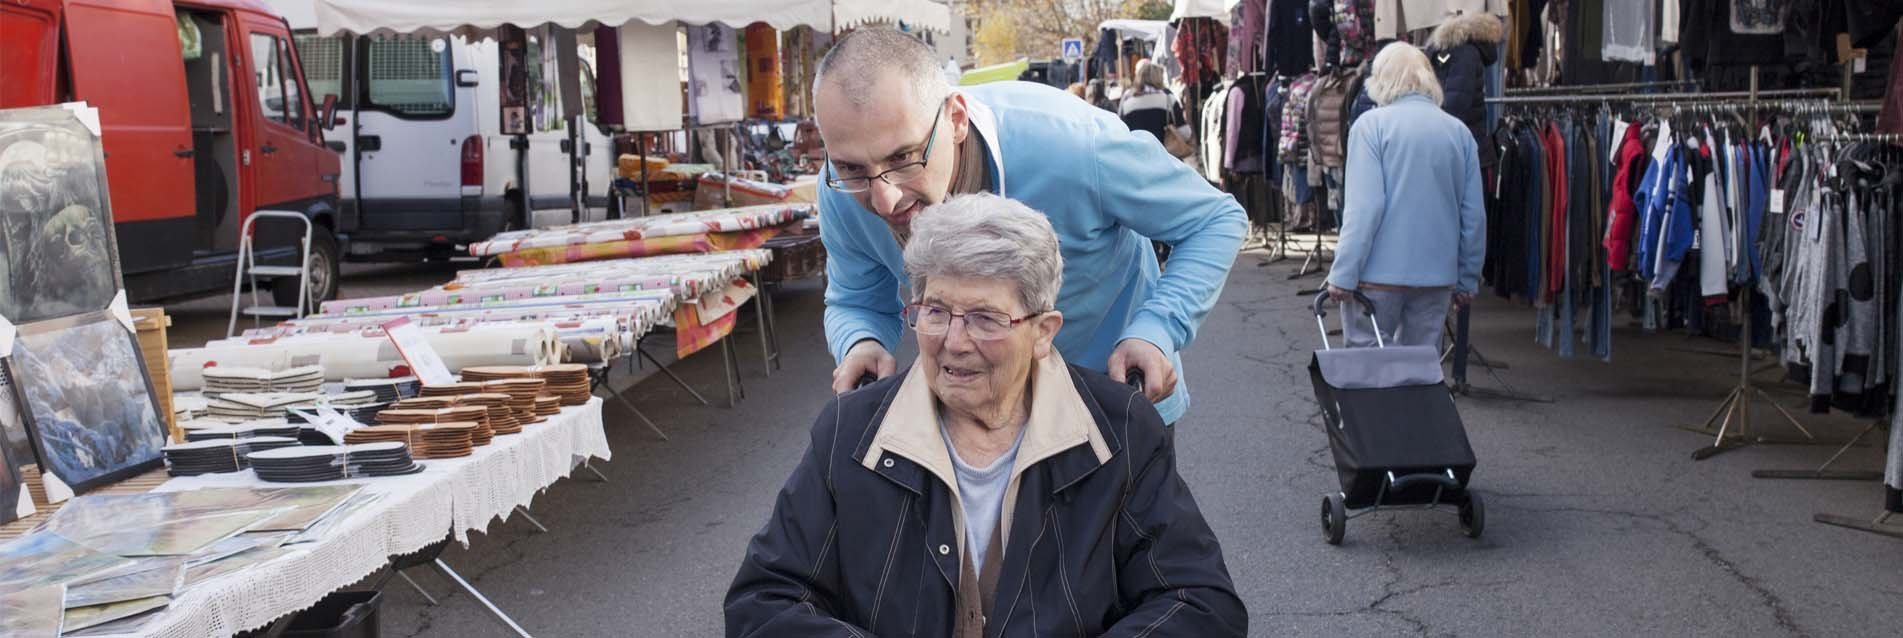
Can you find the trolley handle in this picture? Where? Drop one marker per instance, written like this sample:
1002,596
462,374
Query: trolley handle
1367,306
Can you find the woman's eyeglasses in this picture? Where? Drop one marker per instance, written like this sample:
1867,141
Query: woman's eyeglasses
983,325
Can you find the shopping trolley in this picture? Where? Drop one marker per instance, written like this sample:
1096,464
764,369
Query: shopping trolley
1396,436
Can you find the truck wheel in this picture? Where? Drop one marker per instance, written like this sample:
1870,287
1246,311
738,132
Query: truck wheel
324,273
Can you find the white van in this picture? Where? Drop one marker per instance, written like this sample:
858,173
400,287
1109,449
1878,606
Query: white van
427,171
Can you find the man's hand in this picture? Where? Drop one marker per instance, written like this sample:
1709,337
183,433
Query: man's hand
1461,299
1159,376
1339,294
865,357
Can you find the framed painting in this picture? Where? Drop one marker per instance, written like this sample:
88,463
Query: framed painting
15,452
58,255
82,389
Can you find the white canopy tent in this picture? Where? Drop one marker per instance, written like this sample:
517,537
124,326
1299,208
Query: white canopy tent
918,14
476,18
1147,30
1218,9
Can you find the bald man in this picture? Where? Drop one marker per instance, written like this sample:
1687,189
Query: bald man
900,139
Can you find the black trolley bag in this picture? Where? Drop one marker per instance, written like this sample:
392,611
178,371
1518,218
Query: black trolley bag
1397,439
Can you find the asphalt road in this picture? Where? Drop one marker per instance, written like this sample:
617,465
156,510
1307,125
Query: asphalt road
1598,521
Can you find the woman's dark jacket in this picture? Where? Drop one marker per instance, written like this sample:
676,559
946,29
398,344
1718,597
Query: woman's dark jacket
1101,536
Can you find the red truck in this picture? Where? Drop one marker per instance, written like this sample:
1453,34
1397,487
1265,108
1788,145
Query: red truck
205,118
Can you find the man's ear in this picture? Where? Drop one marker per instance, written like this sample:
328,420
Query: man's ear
959,111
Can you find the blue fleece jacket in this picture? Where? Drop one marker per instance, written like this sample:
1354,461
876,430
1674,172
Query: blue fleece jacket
1106,190
1412,213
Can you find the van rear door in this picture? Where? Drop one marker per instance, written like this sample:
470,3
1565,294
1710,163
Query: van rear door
125,60
412,122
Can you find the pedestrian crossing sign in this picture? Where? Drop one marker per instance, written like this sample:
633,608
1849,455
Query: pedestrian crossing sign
1073,50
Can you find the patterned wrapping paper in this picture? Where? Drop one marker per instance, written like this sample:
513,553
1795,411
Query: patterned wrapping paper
635,316
652,247
729,263
440,296
726,220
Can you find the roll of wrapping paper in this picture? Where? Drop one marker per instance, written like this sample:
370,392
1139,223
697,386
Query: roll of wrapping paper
722,220
637,317
188,364
679,244
504,291
590,340
357,355
729,264
606,298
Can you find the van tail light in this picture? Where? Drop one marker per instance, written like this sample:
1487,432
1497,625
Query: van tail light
472,160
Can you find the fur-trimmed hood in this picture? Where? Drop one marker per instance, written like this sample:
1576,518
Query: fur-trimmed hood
1478,28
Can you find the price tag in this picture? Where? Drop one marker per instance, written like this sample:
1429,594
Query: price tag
330,422
416,351
1777,200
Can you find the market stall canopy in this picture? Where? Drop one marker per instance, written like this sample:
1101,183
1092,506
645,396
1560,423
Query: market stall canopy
476,18
1218,9
918,14
1149,30
996,72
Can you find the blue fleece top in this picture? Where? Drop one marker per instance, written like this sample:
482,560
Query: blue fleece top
1107,192
1412,213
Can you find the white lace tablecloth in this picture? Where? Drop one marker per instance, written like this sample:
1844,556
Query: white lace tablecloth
449,495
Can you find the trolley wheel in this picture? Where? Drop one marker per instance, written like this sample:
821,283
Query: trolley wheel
1473,515
1334,519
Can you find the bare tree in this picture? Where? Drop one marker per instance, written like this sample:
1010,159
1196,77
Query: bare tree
1037,27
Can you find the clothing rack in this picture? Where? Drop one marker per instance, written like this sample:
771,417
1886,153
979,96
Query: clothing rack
1590,88
1752,97
1888,138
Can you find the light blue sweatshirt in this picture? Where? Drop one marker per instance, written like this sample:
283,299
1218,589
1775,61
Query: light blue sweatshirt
1412,213
1106,190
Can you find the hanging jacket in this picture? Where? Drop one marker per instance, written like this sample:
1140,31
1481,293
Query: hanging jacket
1321,15
1331,101
1293,147
1289,46
1632,164
1461,49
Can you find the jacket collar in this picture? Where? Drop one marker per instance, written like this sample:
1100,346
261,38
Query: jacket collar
1059,420
985,121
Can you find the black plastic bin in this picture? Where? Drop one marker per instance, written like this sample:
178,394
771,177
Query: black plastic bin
344,614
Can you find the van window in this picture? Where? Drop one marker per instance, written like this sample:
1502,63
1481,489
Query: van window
276,80
411,77
323,60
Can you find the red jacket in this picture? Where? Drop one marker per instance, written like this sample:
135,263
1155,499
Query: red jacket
1624,212
1556,213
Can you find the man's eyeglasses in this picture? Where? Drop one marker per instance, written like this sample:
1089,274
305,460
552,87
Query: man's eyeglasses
982,325
896,175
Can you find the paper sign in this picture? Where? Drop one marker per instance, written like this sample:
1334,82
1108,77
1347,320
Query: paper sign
416,351
330,422
1777,200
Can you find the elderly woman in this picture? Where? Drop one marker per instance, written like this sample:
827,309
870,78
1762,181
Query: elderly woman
993,489
1413,225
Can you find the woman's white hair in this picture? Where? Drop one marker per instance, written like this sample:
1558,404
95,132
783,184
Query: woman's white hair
985,236
1400,69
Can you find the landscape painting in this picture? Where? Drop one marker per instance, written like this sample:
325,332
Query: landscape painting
82,387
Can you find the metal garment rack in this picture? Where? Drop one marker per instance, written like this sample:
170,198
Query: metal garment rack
1737,402
1589,88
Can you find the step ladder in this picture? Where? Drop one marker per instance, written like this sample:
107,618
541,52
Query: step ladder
250,272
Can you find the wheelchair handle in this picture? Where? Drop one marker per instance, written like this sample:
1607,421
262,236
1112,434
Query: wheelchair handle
1134,377
865,380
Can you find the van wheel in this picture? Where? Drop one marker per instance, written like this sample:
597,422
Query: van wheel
323,276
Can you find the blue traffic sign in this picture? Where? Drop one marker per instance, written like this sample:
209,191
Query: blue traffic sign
1073,49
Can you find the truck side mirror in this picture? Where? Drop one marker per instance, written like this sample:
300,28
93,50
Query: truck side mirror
327,114
466,78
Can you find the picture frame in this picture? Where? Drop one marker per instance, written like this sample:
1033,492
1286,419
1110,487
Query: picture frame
87,399
59,254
